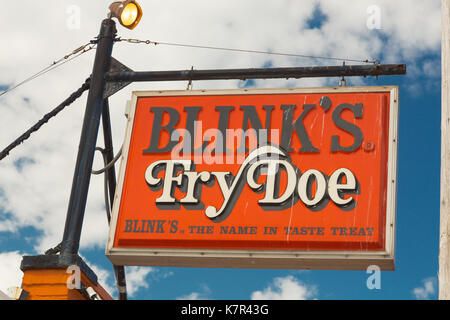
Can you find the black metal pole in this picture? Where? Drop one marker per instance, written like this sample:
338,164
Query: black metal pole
119,271
261,73
86,149
107,135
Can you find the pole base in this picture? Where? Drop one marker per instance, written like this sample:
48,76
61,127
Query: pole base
59,277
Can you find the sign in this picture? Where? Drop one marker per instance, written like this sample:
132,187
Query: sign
259,178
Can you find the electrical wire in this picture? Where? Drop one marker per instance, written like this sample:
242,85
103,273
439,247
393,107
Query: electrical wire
69,57
74,96
105,180
107,165
246,50
105,171
119,271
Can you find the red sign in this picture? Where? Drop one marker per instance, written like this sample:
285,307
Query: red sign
286,178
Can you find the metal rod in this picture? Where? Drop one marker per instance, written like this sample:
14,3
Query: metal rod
119,271
88,139
107,135
261,73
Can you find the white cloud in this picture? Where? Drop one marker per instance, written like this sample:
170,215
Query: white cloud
10,273
137,278
287,288
37,194
203,294
105,278
192,296
427,290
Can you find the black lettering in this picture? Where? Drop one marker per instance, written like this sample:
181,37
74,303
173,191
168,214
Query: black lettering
288,127
351,128
128,225
174,226
157,127
150,226
224,117
270,230
135,227
251,116
159,227
191,118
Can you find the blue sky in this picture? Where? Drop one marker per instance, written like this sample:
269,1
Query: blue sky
35,179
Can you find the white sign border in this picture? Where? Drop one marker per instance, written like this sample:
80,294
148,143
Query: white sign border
264,259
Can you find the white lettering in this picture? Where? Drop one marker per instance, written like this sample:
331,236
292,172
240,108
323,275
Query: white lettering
303,187
266,160
334,186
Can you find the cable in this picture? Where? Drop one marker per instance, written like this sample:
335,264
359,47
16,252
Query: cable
105,184
105,171
75,53
46,118
108,165
245,50
119,271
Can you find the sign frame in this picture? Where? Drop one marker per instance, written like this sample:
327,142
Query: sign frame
264,259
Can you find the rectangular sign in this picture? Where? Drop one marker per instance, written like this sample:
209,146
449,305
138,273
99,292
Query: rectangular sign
301,178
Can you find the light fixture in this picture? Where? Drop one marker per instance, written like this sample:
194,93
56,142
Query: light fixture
128,13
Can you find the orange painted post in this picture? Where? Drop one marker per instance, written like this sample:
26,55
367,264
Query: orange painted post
56,277
51,284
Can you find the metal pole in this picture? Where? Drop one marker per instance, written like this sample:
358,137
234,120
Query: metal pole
86,149
261,73
444,239
119,271
107,135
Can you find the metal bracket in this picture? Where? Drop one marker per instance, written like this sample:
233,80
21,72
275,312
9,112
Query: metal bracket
111,87
189,85
343,82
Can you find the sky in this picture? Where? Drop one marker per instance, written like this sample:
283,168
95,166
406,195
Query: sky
35,179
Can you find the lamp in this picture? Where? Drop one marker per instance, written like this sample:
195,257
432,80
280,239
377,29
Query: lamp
128,13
